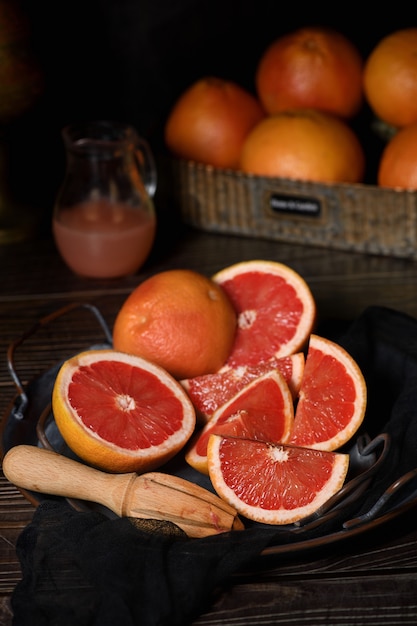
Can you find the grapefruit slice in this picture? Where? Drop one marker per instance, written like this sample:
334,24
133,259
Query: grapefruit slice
275,308
273,483
263,409
211,391
119,412
332,400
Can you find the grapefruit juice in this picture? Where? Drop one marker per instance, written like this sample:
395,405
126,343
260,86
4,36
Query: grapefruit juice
104,239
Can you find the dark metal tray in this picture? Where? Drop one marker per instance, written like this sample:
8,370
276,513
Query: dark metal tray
29,420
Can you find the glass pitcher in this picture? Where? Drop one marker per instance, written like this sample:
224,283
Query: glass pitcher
104,220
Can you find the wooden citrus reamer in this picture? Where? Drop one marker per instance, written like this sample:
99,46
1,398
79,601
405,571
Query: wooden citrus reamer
153,495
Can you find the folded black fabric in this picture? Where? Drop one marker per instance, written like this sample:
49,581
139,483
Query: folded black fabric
83,568
384,344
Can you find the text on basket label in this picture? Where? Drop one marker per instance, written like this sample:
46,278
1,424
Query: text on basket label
291,204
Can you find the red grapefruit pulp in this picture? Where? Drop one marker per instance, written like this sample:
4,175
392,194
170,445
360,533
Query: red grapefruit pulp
332,399
273,483
210,392
263,409
275,307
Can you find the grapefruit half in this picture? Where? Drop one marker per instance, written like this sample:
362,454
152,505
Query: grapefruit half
275,308
119,412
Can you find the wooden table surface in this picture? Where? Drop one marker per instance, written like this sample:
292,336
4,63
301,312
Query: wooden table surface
371,579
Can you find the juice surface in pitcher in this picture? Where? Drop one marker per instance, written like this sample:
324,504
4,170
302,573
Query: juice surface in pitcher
104,239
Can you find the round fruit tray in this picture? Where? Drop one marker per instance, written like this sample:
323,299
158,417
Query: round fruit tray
29,420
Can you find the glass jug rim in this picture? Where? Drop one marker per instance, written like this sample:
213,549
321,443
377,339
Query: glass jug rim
105,133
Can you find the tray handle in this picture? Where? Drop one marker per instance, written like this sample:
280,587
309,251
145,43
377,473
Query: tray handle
22,401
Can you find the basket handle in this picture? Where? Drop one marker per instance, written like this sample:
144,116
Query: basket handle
22,401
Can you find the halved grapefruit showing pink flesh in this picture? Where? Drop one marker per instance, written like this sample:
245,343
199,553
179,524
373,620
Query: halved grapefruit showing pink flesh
332,400
275,307
273,483
263,409
120,412
210,392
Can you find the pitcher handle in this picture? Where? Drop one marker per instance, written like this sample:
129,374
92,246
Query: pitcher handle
146,163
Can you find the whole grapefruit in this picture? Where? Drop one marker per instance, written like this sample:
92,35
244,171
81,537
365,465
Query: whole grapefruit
179,319
398,163
390,78
311,67
210,121
304,144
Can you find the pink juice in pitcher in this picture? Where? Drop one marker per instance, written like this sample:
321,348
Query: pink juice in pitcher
104,239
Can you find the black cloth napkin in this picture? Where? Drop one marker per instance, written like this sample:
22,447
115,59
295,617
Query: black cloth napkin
86,569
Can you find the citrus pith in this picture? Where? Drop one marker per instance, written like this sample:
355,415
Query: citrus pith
119,412
273,483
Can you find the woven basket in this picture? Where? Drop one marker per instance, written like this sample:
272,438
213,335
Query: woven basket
362,218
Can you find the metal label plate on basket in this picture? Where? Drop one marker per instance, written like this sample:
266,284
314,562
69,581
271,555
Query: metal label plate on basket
295,205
